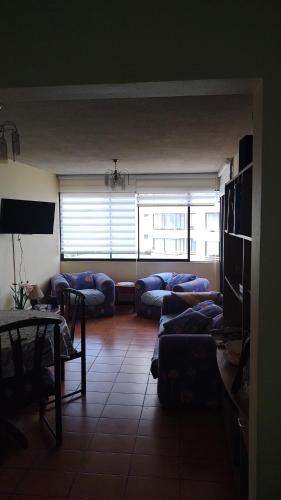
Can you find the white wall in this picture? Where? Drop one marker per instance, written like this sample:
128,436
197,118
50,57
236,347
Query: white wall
130,271
41,252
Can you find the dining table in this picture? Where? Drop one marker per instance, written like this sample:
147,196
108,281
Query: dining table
54,349
10,316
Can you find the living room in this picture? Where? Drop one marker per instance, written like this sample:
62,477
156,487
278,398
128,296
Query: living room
233,60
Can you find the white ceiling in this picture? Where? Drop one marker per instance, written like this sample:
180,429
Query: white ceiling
147,134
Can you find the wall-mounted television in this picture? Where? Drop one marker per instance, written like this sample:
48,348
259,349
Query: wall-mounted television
26,217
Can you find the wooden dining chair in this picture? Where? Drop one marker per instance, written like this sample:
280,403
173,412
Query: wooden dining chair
23,377
73,310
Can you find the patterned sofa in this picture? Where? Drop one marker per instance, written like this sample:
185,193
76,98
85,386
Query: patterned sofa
184,359
98,288
150,291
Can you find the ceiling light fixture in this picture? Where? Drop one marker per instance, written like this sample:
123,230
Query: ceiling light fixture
9,128
116,178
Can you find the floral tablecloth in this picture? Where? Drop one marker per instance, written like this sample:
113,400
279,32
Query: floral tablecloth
10,316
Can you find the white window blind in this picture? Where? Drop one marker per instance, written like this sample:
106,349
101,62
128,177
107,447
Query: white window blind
98,226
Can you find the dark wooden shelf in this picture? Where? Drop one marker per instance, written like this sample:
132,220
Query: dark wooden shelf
235,289
242,236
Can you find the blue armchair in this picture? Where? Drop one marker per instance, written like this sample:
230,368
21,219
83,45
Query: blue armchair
150,291
98,288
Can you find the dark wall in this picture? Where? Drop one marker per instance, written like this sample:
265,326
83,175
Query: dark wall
80,42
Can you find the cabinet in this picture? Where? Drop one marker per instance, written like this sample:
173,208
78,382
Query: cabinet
236,283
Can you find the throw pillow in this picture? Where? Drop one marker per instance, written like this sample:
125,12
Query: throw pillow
188,321
208,308
179,278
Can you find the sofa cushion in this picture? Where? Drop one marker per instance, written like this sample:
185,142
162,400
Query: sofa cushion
179,278
80,281
208,308
163,320
154,297
93,297
165,277
217,323
188,321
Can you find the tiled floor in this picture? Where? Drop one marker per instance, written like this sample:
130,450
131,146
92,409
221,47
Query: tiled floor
118,442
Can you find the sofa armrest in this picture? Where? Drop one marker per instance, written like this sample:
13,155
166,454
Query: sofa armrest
58,282
106,285
145,285
197,285
173,305
149,283
187,370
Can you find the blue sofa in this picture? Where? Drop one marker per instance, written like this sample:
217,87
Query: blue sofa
98,288
184,363
150,291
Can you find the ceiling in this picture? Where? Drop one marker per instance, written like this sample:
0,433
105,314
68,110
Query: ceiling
147,134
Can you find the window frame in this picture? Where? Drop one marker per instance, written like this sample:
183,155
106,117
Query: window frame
137,257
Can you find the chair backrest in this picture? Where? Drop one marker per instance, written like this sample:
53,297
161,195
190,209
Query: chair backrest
21,355
73,310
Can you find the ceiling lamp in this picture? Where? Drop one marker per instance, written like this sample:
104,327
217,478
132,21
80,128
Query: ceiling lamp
116,178
8,128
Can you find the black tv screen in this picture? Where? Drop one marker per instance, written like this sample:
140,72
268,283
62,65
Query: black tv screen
26,217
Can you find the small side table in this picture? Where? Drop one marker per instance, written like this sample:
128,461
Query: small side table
125,289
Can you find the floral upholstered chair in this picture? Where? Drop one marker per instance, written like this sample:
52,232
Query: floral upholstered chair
150,291
98,289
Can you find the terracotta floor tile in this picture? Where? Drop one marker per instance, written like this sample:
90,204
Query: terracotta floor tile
151,400
101,377
109,359
198,490
152,428
117,426
58,460
113,443
134,369
105,368
135,378
205,470
151,389
154,465
108,351
98,487
122,411
9,479
76,441
83,408
19,458
129,388
93,397
137,362
83,425
117,398
147,445
99,462
37,482
99,386
144,488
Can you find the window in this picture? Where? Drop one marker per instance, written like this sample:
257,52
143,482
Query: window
168,246
192,246
112,226
98,226
212,221
192,220
212,249
169,221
